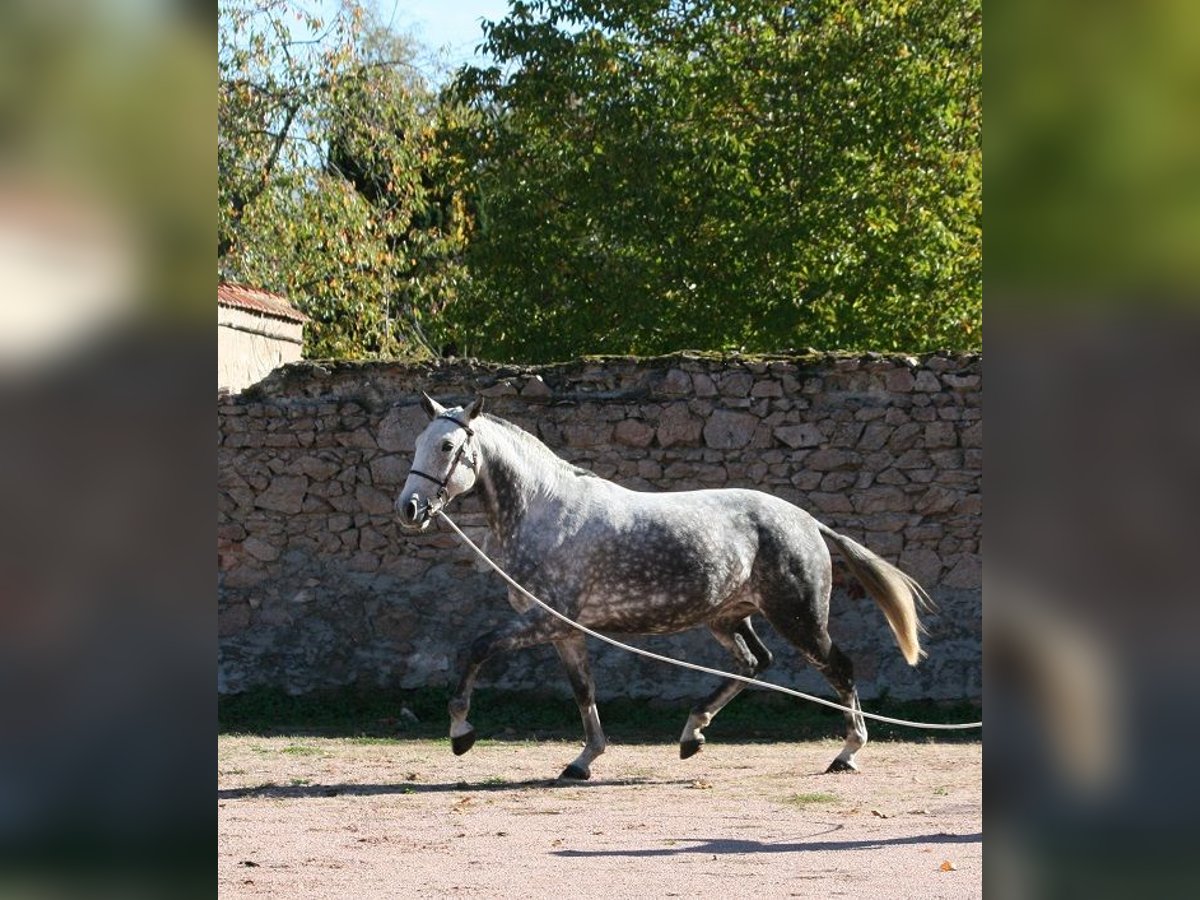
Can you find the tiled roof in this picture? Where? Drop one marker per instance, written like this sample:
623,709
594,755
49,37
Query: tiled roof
262,302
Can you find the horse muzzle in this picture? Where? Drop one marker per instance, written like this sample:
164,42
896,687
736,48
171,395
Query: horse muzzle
415,513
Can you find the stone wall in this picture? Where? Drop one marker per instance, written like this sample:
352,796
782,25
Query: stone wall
318,586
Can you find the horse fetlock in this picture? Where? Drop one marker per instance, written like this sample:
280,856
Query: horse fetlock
459,708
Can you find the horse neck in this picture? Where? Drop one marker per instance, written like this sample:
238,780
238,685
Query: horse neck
515,473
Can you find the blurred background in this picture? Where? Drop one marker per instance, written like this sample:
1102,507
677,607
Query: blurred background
107,164
1092,182
1092,269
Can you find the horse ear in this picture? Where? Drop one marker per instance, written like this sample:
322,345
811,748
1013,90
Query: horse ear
431,406
475,408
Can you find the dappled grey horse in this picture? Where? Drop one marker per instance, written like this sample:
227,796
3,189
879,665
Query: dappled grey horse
633,562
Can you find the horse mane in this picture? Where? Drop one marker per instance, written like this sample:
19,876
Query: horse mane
530,443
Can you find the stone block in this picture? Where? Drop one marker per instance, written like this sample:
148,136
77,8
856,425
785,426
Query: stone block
940,434
728,429
315,467
972,436
830,460
827,502
875,436
922,564
390,470
590,433
899,381
735,384
398,430
359,438
927,382
966,573
678,427
633,433
676,383
703,385
905,436
373,501
935,500
881,498
284,494
797,436
536,389
838,481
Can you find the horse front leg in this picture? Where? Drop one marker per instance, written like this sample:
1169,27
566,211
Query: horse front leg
573,653
517,635
753,658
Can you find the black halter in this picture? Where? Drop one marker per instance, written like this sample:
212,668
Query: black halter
443,493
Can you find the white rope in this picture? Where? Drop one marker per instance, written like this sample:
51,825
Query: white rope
687,665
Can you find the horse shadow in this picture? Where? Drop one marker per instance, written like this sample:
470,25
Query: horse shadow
731,846
305,791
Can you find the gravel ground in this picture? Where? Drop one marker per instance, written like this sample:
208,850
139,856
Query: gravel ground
317,817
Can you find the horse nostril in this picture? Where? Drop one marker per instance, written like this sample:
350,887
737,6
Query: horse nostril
410,509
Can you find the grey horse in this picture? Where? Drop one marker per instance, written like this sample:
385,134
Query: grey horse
634,562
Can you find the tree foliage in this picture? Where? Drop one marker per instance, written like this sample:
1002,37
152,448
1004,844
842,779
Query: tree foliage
631,176
334,187
722,174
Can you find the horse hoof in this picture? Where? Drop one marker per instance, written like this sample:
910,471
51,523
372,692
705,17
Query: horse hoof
840,765
574,773
688,749
463,742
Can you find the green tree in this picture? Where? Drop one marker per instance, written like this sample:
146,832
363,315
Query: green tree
653,175
333,183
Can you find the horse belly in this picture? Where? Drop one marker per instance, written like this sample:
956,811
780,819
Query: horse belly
663,593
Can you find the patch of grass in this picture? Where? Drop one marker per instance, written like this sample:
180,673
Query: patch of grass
370,741
811,799
301,750
372,716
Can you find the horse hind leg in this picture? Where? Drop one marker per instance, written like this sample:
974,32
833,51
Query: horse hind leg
839,671
753,658
814,642
573,653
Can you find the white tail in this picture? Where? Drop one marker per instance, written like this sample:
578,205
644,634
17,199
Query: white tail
897,594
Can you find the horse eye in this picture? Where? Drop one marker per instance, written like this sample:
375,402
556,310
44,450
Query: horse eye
447,446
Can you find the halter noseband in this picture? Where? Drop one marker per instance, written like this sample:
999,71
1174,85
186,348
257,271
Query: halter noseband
443,494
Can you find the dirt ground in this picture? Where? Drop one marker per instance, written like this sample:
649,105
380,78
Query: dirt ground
315,817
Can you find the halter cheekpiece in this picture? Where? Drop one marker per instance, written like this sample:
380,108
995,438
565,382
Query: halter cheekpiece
442,483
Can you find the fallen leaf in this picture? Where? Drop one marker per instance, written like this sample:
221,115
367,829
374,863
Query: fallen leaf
881,815
701,784
947,866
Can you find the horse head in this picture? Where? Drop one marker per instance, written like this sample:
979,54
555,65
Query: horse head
445,463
